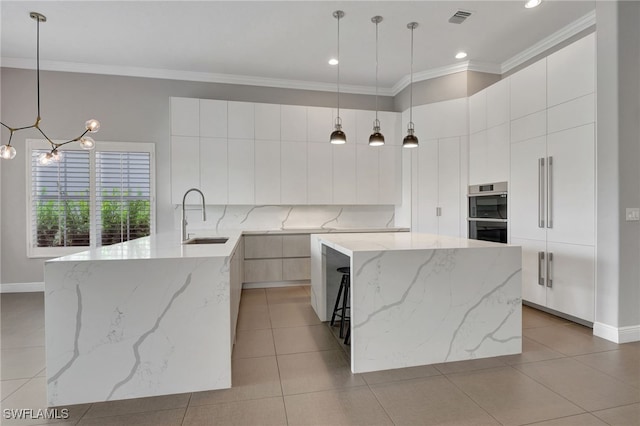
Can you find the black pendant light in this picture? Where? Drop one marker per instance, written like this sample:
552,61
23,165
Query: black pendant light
338,137
411,140
376,138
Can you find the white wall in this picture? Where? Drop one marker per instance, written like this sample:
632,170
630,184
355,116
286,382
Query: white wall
618,177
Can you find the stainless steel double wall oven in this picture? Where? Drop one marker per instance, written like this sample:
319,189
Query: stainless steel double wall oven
488,212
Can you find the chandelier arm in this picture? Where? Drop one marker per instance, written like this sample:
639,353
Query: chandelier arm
45,136
72,140
8,128
33,126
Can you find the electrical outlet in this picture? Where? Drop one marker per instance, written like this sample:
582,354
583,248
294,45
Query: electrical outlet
633,214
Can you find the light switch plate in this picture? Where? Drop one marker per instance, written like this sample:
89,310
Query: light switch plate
633,214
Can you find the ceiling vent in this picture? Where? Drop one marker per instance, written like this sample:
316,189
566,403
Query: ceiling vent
459,17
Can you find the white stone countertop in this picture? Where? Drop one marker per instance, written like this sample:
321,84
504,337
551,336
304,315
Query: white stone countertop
167,245
348,243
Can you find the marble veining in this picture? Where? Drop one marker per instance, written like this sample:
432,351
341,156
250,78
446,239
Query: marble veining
420,299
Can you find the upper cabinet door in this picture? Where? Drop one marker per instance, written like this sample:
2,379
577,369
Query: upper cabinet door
319,124
449,186
478,112
529,90
184,117
348,117
478,158
571,71
320,172
294,172
391,127
344,173
213,118
367,171
427,183
241,120
497,153
390,178
498,103
185,170
241,171
267,169
213,170
267,122
293,123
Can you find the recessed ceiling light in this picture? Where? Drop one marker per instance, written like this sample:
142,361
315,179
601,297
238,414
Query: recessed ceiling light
461,55
532,3
333,61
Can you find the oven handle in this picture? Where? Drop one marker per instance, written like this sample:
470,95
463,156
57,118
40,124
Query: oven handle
486,219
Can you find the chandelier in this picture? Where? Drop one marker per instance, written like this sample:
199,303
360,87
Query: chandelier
8,152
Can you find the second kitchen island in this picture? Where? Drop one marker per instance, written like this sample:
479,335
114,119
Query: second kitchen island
420,299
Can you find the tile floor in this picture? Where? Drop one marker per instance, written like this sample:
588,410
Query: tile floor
288,368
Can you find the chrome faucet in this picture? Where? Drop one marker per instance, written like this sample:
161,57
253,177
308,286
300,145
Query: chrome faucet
185,236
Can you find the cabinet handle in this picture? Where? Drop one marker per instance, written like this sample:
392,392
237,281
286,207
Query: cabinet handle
550,192
540,192
549,262
540,260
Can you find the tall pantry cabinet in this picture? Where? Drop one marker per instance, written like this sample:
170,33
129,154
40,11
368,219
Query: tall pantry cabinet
552,178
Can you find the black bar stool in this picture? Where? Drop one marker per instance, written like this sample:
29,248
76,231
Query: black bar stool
341,307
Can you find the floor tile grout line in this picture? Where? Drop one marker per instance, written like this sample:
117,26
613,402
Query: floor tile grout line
575,357
611,408
273,340
472,399
16,390
380,403
184,416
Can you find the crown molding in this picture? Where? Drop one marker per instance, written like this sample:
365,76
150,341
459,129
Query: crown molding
446,70
554,39
191,76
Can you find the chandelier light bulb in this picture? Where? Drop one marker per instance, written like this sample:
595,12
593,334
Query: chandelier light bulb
87,142
45,158
56,155
530,4
92,125
7,152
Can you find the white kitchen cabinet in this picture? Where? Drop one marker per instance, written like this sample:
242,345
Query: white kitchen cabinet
390,175
497,152
525,191
367,172
261,270
298,269
293,123
344,173
270,258
497,103
262,246
571,279
298,245
240,120
267,122
478,167
573,113
559,276
213,118
213,170
528,90
571,186
529,127
184,117
185,171
293,165
478,112
571,71
319,124
390,126
438,186
267,172
349,127
241,171
320,172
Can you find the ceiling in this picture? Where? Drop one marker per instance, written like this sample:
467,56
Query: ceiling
288,42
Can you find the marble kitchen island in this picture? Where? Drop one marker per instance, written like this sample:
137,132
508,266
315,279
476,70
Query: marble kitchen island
420,299
142,318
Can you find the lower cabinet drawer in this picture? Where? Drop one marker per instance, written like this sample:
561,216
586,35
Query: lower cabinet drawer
258,270
296,269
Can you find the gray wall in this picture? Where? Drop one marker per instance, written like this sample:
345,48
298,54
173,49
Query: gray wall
130,109
618,157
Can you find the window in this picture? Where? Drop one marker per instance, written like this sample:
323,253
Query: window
89,198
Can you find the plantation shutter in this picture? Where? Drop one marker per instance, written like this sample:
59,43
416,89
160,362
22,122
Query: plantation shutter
123,196
60,208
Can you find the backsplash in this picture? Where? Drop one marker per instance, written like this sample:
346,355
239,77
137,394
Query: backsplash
288,217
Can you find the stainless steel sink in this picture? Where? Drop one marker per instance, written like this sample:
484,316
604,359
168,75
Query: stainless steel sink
206,240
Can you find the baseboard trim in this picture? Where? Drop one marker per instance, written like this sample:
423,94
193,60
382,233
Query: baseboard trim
272,284
617,334
21,287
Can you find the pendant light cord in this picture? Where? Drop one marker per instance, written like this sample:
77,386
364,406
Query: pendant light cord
38,65
338,68
377,71
411,82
